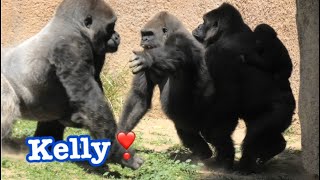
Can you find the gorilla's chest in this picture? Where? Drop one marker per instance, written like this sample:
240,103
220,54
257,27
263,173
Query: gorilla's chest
176,99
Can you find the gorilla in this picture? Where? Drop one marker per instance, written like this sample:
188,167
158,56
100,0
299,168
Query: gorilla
272,56
243,66
53,77
173,60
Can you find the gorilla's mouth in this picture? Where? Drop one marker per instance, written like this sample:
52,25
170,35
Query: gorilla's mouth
112,45
147,47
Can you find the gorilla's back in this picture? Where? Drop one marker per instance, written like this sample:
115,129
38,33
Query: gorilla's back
29,71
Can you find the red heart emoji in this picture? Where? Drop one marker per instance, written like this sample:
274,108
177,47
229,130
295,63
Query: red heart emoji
126,156
126,139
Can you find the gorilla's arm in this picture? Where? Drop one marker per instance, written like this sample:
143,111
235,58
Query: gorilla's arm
138,102
253,59
98,65
74,67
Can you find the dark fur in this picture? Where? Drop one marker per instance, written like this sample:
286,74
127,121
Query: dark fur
173,61
58,83
249,90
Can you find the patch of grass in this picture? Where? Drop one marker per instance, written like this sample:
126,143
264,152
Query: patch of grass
158,165
114,84
161,140
290,131
23,128
19,169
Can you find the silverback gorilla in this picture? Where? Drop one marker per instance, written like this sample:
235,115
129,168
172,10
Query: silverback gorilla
251,73
173,60
53,77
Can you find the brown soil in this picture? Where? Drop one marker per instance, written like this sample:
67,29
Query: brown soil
287,165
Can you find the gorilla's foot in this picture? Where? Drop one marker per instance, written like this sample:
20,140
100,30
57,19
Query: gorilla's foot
247,166
202,153
271,152
223,163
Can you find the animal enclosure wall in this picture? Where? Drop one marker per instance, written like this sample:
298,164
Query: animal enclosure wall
20,19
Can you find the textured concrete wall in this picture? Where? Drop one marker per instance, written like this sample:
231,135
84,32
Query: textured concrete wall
308,27
23,18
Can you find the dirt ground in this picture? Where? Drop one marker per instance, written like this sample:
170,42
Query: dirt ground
157,133
287,165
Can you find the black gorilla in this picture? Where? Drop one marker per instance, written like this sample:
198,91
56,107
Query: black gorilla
173,60
53,77
243,65
271,55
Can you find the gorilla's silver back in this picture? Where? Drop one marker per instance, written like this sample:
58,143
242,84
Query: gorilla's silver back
27,67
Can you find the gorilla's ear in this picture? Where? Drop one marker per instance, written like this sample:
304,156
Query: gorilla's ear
88,21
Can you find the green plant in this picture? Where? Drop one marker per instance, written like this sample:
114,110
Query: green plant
114,84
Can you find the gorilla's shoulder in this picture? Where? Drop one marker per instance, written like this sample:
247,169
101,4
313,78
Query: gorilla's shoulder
180,39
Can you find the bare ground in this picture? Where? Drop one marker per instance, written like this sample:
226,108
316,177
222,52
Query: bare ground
159,134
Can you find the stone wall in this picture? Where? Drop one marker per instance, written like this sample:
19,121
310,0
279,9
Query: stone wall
308,26
20,19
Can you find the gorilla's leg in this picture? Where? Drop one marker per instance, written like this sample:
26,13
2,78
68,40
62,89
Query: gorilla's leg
273,144
220,137
198,146
264,139
9,107
261,149
51,128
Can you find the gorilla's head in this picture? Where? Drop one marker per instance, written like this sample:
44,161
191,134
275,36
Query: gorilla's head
219,22
157,30
266,30
95,20
268,45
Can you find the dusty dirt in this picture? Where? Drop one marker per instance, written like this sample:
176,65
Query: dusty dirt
20,19
159,134
287,165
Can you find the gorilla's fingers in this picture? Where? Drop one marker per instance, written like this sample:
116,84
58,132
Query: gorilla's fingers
135,57
135,63
137,69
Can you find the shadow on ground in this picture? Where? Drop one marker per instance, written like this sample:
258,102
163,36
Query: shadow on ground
285,166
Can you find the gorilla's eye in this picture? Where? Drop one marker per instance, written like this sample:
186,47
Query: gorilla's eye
88,21
215,24
110,28
164,30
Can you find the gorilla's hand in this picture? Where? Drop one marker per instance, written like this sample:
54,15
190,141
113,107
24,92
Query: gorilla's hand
134,162
140,62
116,157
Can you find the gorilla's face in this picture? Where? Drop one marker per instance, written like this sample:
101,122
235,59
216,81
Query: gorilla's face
217,23
209,29
100,24
157,30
